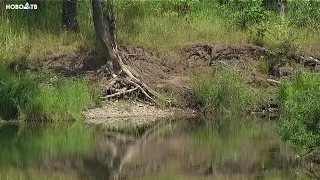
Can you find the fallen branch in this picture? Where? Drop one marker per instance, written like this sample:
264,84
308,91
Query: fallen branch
273,82
112,82
142,90
120,93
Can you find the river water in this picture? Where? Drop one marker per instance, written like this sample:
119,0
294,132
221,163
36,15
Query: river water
198,148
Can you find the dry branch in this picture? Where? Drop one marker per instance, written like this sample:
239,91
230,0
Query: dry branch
273,82
123,91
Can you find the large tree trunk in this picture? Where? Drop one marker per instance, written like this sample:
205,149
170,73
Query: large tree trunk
69,15
105,27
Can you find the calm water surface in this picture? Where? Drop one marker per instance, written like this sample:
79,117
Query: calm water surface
225,148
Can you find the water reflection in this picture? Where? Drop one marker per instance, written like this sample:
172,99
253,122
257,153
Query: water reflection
223,148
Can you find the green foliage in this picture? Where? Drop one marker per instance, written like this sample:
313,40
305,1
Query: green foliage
257,16
40,30
300,103
222,90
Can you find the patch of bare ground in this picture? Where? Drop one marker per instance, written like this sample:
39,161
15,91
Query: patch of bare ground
123,115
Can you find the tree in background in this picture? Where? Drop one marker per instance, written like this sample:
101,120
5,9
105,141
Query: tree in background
69,15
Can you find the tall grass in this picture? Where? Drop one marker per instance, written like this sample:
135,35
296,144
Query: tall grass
24,98
38,32
64,101
15,93
160,24
223,90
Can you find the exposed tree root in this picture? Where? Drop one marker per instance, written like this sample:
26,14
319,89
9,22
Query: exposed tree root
125,91
273,82
104,22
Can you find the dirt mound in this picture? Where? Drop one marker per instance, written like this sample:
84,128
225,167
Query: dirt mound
151,66
145,62
202,55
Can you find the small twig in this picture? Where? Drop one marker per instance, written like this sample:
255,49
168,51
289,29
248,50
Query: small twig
112,82
312,173
142,90
119,93
272,81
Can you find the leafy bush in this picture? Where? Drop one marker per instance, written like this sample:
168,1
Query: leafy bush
300,103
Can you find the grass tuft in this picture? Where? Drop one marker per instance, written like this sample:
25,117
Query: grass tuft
222,90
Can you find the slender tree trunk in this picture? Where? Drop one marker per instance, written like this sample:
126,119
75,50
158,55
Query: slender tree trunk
69,15
282,9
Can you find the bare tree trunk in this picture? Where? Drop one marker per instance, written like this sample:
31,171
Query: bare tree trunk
105,27
69,15
103,22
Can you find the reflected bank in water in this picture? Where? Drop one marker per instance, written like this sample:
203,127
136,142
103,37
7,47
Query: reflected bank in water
224,148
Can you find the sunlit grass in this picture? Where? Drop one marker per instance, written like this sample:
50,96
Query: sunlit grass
221,89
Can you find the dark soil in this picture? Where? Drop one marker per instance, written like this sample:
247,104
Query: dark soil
203,55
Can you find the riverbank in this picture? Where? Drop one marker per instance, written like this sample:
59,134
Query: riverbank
208,78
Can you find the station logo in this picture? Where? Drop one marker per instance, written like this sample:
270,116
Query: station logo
26,6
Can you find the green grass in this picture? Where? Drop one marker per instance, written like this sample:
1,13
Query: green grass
15,93
64,101
39,33
27,99
155,24
223,90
